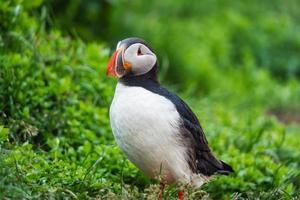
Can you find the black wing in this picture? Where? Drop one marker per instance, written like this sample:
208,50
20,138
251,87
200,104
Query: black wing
201,159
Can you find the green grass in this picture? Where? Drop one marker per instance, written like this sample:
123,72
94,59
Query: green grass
55,137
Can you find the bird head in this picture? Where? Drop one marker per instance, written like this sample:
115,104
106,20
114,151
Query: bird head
133,57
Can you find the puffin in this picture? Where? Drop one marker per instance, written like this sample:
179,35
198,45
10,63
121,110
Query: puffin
155,128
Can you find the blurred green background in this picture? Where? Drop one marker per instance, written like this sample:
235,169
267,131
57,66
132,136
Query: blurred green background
236,63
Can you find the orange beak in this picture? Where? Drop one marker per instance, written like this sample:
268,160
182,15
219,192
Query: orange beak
111,66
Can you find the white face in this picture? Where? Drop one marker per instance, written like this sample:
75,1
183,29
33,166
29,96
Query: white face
140,57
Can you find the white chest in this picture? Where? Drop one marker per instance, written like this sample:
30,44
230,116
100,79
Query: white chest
146,126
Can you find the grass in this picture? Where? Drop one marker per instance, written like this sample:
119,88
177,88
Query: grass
55,137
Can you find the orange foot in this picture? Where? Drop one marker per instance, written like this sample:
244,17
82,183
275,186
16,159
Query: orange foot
181,195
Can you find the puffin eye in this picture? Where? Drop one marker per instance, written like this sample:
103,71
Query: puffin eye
139,52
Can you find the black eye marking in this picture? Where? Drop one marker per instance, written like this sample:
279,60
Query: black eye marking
139,52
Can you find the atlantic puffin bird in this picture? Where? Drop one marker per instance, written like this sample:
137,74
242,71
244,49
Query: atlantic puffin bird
154,127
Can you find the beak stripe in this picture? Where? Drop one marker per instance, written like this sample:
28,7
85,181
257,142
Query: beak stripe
112,64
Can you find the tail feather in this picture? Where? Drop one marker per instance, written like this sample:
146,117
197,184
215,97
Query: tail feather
208,165
226,169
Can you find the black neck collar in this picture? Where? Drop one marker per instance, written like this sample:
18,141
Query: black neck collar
142,80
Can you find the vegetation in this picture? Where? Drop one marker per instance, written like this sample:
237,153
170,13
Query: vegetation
235,63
